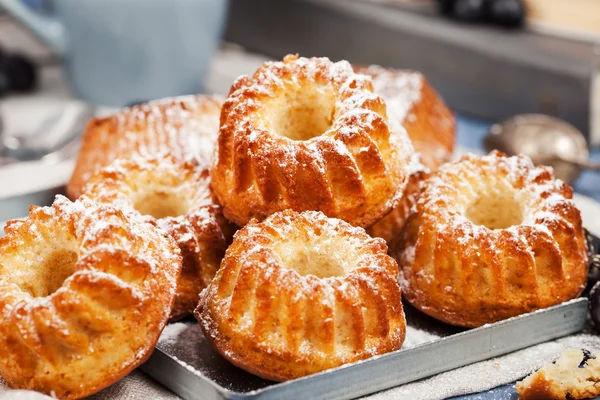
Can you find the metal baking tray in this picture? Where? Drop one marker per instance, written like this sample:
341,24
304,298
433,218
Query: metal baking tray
184,361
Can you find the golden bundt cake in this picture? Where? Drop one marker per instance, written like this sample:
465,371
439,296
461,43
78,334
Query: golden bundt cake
431,126
492,237
174,195
414,104
300,293
308,134
85,292
185,127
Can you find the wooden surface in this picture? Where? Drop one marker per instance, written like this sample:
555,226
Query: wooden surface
578,18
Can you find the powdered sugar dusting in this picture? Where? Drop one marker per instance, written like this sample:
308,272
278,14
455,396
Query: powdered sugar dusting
115,272
540,212
184,127
266,162
400,91
537,190
154,184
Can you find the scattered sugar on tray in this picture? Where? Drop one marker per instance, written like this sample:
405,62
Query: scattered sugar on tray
415,337
186,342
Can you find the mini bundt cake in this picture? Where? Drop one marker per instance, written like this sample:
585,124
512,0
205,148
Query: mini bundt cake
574,375
414,104
85,291
175,195
492,237
308,134
185,127
431,126
300,293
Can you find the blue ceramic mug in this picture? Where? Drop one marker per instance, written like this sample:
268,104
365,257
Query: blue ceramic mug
116,52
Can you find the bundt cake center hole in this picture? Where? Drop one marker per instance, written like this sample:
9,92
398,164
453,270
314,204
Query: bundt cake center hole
496,210
47,275
303,114
313,263
159,204
322,259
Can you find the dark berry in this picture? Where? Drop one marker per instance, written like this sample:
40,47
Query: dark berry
594,270
446,6
469,10
586,357
18,73
4,84
509,13
592,243
24,73
594,261
594,305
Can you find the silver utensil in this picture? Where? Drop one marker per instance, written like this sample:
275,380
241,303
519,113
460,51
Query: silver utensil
546,140
51,140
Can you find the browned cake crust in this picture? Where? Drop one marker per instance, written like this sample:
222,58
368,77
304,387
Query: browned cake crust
492,237
574,375
431,126
414,104
300,293
389,228
184,127
308,134
174,195
85,292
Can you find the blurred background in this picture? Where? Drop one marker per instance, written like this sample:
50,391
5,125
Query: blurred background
62,61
